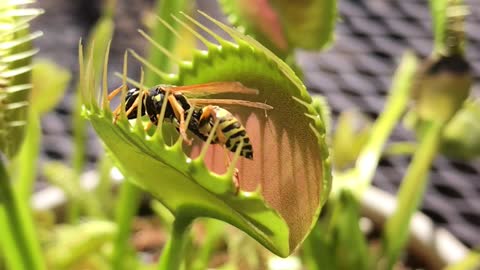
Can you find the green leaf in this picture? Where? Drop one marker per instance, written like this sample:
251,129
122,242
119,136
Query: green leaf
283,25
15,57
308,24
360,178
281,191
71,244
438,10
259,19
337,241
411,191
163,9
461,136
47,93
352,133
62,176
448,29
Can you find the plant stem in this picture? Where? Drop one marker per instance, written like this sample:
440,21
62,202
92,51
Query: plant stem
27,159
359,180
126,209
12,222
26,164
214,231
411,191
400,149
78,160
174,250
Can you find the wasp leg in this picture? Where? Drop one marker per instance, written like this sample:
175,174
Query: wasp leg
116,112
148,126
133,107
236,177
114,93
180,114
110,96
209,112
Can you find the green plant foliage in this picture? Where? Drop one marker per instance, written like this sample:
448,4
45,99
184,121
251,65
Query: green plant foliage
283,25
445,15
281,192
58,174
351,135
259,19
359,178
442,84
438,12
72,245
323,109
308,24
337,241
461,136
471,261
47,93
166,37
15,57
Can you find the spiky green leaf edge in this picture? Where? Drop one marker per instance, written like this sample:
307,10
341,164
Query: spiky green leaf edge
15,71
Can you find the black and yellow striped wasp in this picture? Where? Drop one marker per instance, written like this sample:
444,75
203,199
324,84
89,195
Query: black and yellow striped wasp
229,132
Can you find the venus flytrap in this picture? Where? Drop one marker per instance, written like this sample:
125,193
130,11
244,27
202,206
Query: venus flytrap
283,25
281,192
20,246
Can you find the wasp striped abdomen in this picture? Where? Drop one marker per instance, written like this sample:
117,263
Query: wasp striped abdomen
230,132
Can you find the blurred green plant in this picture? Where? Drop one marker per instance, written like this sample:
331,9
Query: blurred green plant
351,135
441,86
19,241
282,25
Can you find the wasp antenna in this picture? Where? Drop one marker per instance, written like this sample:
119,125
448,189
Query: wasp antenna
206,29
169,27
203,153
195,33
165,76
104,99
160,47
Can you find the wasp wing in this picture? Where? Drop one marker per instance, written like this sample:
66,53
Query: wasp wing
235,102
212,88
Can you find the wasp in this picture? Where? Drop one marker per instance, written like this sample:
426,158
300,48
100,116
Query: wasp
229,133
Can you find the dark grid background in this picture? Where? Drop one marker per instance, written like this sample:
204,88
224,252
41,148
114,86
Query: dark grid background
355,73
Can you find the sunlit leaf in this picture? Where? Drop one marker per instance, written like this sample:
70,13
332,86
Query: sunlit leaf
47,93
